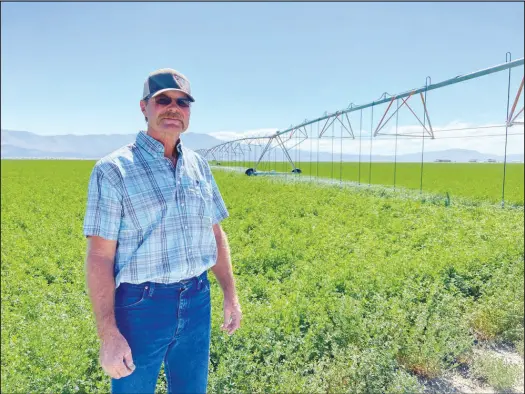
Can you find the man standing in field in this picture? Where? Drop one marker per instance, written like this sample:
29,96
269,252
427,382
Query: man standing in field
153,226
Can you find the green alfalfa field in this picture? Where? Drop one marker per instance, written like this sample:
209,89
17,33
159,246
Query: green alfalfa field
342,289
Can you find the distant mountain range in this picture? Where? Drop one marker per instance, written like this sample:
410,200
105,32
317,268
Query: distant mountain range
23,144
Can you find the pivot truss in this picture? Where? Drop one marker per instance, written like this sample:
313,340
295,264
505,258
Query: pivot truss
250,151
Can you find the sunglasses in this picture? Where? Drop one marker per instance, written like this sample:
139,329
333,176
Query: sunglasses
164,100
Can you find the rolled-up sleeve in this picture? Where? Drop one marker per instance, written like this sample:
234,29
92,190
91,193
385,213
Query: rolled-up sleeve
104,207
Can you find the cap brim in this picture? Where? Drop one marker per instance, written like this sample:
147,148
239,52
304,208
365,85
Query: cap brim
173,89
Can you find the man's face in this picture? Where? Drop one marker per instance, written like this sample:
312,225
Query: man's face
165,114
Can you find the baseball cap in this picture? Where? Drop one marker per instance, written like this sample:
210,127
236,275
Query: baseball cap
166,79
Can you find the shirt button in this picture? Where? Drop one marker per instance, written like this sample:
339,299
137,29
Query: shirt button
182,204
189,250
186,227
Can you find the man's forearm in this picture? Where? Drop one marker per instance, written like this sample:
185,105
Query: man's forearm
101,288
223,268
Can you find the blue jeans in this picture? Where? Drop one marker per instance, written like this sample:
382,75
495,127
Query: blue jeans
165,323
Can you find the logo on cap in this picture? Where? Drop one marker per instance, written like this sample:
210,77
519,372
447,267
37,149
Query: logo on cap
182,83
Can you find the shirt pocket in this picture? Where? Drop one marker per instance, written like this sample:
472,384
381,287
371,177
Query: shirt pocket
190,186
206,192
145,210
198,196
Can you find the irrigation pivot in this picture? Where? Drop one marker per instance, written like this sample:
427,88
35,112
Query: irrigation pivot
283,152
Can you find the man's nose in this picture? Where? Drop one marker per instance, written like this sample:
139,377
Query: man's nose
174,104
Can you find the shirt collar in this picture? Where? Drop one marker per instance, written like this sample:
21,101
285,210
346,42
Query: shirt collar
152,146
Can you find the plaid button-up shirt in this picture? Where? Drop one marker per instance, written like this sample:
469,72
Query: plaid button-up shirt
161,215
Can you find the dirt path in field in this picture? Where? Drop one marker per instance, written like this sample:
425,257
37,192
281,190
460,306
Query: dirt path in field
461,380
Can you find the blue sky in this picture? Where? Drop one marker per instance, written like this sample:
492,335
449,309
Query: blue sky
79,68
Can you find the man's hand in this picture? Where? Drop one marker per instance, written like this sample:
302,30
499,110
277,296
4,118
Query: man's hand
232,316
115,356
